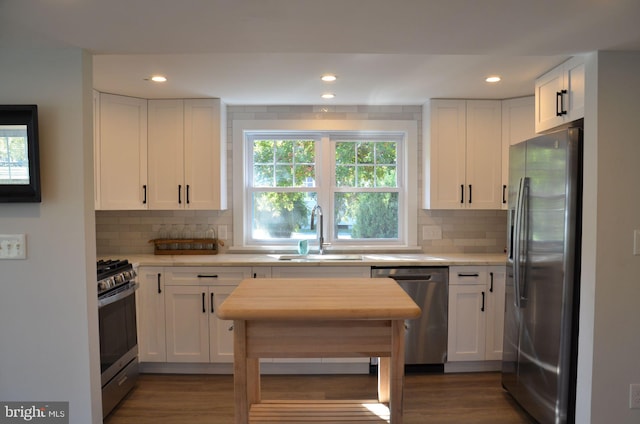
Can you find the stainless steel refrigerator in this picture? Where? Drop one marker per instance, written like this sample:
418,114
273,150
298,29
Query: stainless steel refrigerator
543,274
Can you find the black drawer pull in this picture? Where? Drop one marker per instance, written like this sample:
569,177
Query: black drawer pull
468,274
207,276
159,288
204,308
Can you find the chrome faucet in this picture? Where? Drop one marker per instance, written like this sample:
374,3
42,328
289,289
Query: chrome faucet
318,210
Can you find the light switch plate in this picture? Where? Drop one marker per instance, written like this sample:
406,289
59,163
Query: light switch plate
13,246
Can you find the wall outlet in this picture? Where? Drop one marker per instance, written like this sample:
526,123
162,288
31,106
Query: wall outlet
431,232
13,246
634,396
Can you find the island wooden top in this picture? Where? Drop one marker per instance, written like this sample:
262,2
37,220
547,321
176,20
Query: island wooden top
318,299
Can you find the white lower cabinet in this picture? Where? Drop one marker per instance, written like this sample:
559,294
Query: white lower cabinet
476,313
150,315
176,313
194,332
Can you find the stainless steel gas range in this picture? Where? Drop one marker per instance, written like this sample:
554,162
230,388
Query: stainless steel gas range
118,334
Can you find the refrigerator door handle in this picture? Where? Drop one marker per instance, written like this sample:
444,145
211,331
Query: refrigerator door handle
524,229
517,243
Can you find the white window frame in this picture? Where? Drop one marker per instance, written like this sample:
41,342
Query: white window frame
407,180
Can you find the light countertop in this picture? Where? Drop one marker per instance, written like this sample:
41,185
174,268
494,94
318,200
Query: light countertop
265,259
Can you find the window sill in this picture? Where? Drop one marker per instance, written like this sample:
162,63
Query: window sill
314,249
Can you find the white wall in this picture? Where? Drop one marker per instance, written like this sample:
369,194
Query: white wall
48,306
610,300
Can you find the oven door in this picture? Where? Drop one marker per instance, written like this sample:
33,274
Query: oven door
118,335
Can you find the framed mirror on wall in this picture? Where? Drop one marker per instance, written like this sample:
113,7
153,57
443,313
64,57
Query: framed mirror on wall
19,154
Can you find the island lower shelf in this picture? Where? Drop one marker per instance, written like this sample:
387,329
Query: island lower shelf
318,411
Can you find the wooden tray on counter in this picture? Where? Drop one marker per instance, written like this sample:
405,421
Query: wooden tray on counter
158,242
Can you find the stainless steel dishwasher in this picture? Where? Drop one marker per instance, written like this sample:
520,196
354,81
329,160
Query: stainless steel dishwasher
426,336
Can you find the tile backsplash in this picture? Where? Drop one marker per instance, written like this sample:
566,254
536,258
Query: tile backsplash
446,231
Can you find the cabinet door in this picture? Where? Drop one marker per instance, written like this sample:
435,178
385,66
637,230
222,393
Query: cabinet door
495,295
123,153
187,320
166,154
547,88
96,149
150,315
574,74
518,119
466,340
220,331
205,155
444,147
484,154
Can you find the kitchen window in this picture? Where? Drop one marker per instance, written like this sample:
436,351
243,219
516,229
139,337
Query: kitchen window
359,178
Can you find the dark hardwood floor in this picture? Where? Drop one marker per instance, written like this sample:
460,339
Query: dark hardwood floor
429,398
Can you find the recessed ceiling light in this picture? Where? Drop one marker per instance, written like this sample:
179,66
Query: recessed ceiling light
158,78
329,78
493,78
328,96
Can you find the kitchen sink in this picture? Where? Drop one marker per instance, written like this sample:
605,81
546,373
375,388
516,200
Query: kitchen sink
315,258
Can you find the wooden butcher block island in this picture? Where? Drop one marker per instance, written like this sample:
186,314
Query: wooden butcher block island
316,317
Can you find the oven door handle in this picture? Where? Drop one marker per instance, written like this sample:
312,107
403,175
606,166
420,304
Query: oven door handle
121,295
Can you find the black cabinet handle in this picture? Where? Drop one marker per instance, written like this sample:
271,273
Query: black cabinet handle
504,193
187,194
255,275
491,285
212,310
563,111
207,276
204,308
179,194
159,288
468,274
482,308
560,103
470,194
144,190
461,193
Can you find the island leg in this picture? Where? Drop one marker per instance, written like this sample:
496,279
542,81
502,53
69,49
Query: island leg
396,378
240,372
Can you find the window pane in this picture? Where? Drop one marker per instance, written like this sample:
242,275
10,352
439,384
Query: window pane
284,176
345,176
284,151
263,175
365,176
369,164
366,215
345,153
386,153
386,176
282,215
365,152
305,151
284,163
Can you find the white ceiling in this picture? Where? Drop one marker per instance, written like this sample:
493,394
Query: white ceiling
274,51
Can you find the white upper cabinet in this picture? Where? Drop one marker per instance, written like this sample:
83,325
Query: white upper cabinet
517,125
187,155
121,150
462,151
560,95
